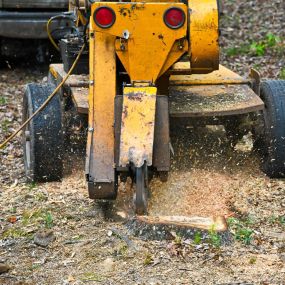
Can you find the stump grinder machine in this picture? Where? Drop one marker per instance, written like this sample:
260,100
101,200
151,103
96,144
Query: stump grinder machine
143,67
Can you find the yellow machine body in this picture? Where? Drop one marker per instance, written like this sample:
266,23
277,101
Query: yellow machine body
144,44
142,74
147,48
102,91
203,35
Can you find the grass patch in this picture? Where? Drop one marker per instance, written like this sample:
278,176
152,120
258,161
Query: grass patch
277,220
148,260
38,217
214,238
32,185
282,73
34,267
90,276
48,220
240,229
244,235
197,238
121,251
13,210
40,196
3,100
16,232
259,48
178,240
5,124
35,218
252,260
234,51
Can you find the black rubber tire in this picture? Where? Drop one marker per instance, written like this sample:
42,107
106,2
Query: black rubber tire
271,141
42,138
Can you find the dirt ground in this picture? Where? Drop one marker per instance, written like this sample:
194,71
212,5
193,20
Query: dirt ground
52,233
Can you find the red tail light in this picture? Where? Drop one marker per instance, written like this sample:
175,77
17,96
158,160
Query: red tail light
104,17
174,18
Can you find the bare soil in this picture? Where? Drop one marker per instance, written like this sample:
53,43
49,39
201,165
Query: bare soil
208,178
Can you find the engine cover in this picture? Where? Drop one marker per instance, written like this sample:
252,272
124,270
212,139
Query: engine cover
203,35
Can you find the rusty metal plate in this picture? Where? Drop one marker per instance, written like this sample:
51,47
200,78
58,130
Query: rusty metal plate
137,126
213,100
161,145
100,140
221,76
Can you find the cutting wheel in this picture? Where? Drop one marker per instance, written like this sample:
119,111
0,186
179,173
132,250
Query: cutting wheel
141,190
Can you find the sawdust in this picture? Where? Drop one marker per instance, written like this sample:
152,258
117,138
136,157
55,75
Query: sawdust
194,193
205,172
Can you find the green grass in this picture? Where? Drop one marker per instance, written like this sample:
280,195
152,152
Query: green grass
40,196
16,232
32,185
197,238
39,217
234,51
214,238
35,267
178,240
260,47
272,40
277,220
3,100
244,235
148,259
13,210
48,220
241,230
257,48
282,73
281,220
5,124
90,276
252,260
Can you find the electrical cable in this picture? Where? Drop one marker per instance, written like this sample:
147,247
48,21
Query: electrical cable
49,32
2,145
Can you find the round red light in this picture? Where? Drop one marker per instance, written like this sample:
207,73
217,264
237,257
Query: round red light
104,17
174,18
